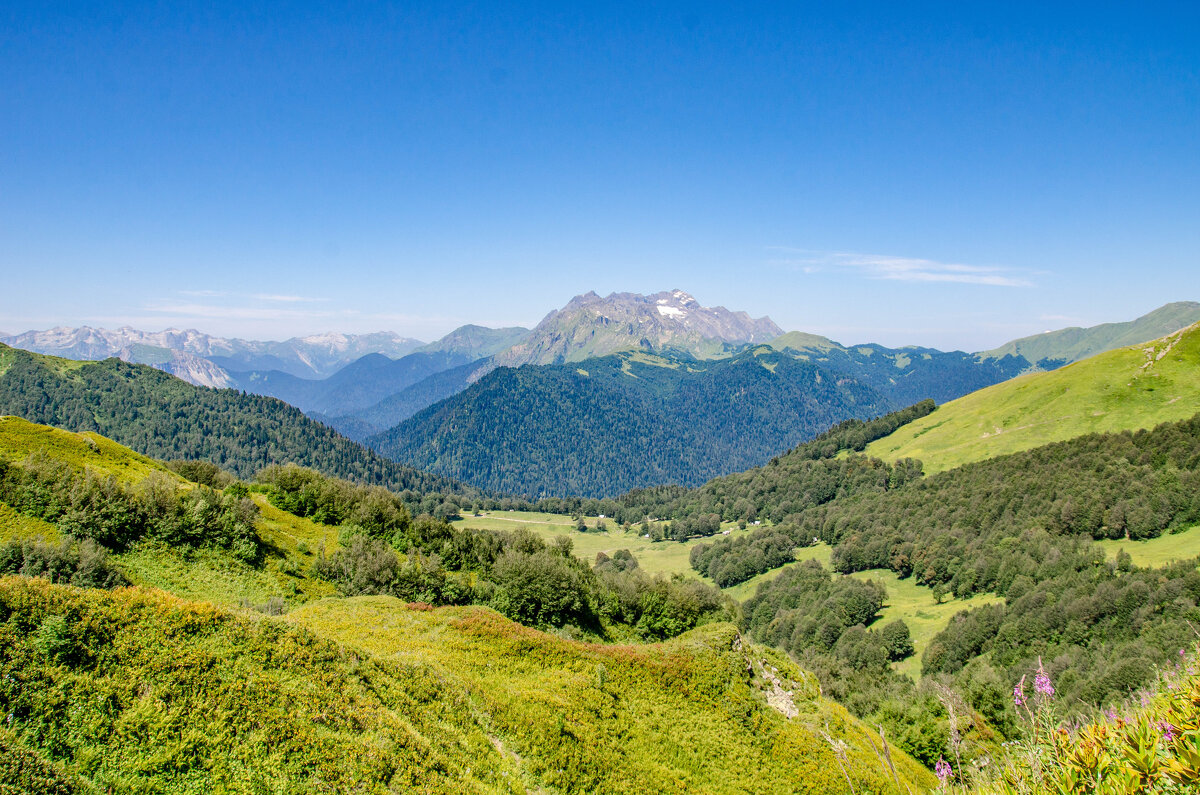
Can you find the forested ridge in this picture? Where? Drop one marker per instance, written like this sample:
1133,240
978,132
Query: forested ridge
166,418
623,421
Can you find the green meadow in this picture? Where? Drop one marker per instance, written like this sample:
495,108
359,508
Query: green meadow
1125,389
906,600
654,557
1159,551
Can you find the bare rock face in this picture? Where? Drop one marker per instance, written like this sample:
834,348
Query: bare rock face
591,326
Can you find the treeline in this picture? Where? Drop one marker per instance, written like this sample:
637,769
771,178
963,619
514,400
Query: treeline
426,559
959,528
85,505
809,474
855,435
166,418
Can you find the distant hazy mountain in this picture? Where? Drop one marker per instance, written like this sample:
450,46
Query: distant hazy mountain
375,377
628,420
396,408
477,342
314,356
358,385
590,326
1056,348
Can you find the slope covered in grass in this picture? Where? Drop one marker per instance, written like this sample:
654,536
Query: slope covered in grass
291,543
1126,389
138,692
19,438
1056,348
688,715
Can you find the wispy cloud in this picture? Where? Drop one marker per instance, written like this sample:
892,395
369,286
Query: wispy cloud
224,311
905,269
288,299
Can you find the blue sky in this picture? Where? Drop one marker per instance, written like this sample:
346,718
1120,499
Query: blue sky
952,175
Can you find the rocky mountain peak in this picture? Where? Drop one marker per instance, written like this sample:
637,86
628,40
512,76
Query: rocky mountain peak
590,325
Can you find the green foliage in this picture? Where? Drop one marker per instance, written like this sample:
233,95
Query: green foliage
810,474
83,563
549,430
205,473
158,695
897,641
730,561
805,606
161,416
1127,389
88,506
1152,747
24,772
306,492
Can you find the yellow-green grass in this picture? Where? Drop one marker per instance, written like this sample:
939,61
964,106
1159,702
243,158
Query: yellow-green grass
301,538
689,715
914,604
9,355
1159,551
1125,389
214,576
210,575
14,524
906,600
654,557
19,438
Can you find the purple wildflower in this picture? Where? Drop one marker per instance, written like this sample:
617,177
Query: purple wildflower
942,770
1167,729
1110,714
1019,693
1041,682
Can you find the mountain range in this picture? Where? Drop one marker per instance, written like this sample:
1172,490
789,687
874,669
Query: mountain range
439,406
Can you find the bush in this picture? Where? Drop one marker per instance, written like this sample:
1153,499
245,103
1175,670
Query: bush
81,563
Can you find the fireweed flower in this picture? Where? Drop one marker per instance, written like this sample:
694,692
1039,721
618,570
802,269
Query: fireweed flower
942,770
1041,682
1019,693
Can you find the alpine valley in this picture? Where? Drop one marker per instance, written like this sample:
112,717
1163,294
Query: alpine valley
644,546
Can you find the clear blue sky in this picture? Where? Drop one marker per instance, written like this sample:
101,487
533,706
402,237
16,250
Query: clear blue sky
951,175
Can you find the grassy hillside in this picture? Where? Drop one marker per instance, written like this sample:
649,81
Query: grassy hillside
176,696
1056,348
292,543
1130,388
688,715
19,438
1167,548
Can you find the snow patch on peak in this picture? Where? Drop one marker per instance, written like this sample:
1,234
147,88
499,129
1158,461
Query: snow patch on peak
670,311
